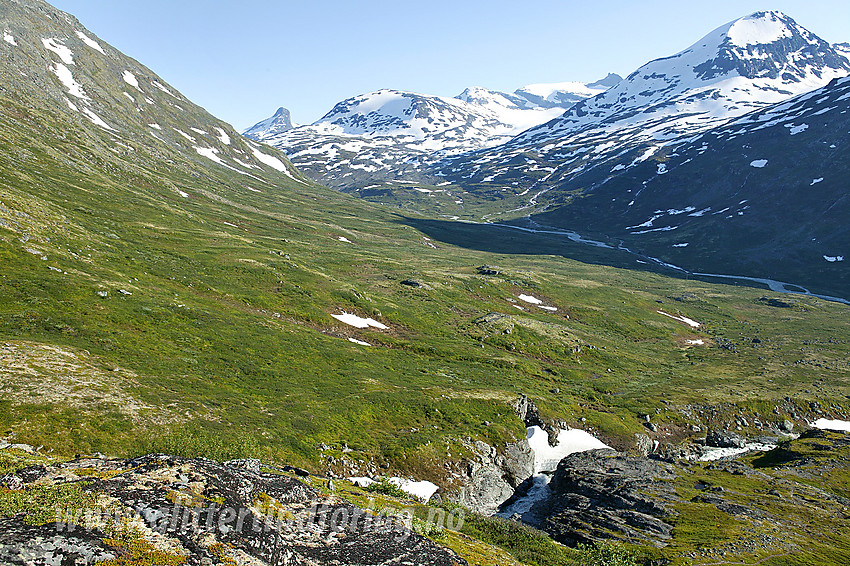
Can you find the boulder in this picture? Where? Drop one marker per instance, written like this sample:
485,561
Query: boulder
643,444
415,283
528,413
724,439
490,270
492,478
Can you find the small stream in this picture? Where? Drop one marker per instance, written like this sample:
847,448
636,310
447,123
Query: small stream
546,460
772,284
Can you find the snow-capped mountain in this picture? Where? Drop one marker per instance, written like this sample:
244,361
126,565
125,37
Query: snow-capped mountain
742,66
765,195
279,122
392,135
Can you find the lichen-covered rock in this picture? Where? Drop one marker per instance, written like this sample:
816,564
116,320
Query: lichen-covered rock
198,511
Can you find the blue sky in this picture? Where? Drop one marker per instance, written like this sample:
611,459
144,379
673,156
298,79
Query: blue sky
242,60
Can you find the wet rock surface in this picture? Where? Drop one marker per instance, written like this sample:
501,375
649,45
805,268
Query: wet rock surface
206,513
724,439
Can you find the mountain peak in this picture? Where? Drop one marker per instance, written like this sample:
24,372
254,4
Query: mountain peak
280,122
611,79
761,28
763,45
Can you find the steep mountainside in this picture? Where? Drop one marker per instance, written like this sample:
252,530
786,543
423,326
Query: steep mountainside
51,62
748,64
392,135
765,195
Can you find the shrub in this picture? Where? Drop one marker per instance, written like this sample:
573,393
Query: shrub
386,487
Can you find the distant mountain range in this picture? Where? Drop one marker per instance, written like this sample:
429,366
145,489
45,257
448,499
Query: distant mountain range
393,135
624,151
742,66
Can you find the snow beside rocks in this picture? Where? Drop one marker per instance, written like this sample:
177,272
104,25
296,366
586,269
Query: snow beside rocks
712,454
546,457
223,137
64,75
270,160
60,49
161,87
90,42
363,482
758,29
209,153
832,424
422,490
97,120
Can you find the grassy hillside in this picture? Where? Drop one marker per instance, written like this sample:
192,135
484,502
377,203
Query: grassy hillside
217,315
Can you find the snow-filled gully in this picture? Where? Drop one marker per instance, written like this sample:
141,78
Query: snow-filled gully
546,459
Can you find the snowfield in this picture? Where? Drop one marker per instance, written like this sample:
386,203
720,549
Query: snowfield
90,42
832,424
358,322
690,322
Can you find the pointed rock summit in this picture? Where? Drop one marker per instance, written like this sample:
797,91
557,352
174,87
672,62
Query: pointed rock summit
280,122
611,79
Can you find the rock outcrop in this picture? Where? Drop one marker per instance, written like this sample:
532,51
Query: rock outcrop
724,439
196,512
604,495
493,477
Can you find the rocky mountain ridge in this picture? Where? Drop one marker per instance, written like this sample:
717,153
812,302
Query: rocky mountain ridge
68,69
762,196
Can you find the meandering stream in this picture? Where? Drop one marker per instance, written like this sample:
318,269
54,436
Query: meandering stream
772,284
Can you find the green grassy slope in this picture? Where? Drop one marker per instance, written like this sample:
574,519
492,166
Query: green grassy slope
228,321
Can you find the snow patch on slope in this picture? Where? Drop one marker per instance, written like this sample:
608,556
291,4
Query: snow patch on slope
65,76
56,46
359,322
90,42
758,30
131,80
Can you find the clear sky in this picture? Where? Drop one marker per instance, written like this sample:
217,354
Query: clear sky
242,60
